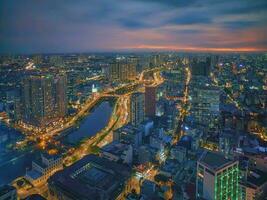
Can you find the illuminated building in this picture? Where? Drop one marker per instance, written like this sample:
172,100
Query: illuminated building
217,177
43,99
43,168
132,67
37,99
114,71
201,66
122,70
60,84
205,104
150,101
137,109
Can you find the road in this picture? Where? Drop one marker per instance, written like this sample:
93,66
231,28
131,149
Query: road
184,108
120,117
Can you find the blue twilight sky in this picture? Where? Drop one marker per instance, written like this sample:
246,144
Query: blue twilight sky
43,26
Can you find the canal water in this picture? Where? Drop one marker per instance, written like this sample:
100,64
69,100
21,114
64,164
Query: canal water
14,163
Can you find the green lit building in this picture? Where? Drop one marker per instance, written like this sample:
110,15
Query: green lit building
217,178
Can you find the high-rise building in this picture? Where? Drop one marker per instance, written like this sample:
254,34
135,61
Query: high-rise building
201,67
122,70
150,101
60,84
217,177
205,104
137,108
37,99
43,99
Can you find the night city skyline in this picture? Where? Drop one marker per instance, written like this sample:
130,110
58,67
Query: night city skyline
110,25
133,100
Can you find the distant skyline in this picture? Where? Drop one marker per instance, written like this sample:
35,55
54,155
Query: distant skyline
62,26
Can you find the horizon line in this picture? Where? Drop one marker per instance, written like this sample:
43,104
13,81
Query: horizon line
152,49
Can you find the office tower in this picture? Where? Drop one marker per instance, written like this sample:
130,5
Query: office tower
150,101
217,177
132,61
201,66
205,104
92,177
114,71
137,110
43,99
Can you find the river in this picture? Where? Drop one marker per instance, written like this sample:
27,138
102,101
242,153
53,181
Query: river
14,163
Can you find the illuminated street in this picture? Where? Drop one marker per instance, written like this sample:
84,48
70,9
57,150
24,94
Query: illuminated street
133,100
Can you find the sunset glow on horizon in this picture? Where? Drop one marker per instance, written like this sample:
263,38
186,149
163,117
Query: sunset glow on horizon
108,25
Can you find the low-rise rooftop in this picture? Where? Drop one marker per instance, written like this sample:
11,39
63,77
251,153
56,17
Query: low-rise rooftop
214,160
91,178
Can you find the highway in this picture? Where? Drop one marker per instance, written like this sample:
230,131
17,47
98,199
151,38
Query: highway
119,117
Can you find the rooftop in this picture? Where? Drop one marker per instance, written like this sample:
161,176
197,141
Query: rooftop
92,177
257,178
33,174
214,161
115,148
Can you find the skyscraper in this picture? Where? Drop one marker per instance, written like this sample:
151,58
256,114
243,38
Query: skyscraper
201,66
114,71
205,104
60,84
43,99
122,70
150,101
37,99
217,177
137,110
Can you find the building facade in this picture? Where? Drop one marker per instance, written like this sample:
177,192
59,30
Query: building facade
150,101
43,99
217,177
137,108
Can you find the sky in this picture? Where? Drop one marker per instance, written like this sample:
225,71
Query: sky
61,26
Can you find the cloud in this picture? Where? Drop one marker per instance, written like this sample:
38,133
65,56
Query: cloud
67,25
189,20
